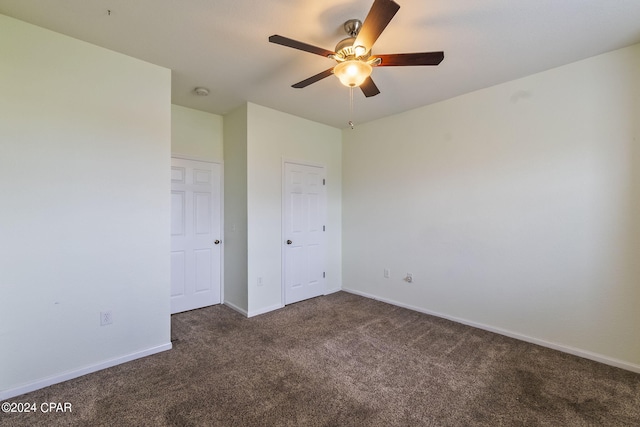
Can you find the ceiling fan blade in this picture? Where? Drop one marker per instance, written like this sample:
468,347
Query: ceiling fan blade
403,59
381,13
313,79
284,41
369,88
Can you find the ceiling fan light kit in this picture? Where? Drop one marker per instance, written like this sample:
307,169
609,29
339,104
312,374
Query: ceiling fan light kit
353,55
352,73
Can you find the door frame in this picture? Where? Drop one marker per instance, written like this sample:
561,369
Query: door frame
282,224
221,164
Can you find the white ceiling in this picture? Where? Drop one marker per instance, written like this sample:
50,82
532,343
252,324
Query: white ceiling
222,45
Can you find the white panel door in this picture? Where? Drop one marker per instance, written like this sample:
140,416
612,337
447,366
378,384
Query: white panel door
195,234
304,213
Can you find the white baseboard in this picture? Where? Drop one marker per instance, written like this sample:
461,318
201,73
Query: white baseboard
69,375
555,346
236,308
265,310
332,291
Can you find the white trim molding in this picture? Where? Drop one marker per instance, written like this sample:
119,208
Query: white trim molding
265,310
195,158
555,346
236,308
69,375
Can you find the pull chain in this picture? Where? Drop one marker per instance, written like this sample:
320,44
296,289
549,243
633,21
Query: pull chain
351,107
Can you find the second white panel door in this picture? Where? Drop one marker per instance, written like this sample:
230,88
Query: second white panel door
304,255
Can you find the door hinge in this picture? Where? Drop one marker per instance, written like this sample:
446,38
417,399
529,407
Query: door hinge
323,228
324,182
324,275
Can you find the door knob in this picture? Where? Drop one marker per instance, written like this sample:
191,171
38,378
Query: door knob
289,242
217,242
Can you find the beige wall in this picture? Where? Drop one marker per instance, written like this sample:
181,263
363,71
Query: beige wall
84,177
256,142
235,210
196,134
516,208
274,136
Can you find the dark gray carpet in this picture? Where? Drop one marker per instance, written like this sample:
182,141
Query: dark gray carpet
343,360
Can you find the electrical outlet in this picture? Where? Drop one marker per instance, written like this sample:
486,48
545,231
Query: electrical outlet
260,281
409,278
106,318
387,273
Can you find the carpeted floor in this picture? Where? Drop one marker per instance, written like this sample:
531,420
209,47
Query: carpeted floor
342,360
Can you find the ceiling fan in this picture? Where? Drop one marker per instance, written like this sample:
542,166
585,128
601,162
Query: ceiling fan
353,55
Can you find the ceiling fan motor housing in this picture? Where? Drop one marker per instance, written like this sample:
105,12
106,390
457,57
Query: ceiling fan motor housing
345,50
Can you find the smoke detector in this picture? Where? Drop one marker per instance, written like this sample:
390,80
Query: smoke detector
201,91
